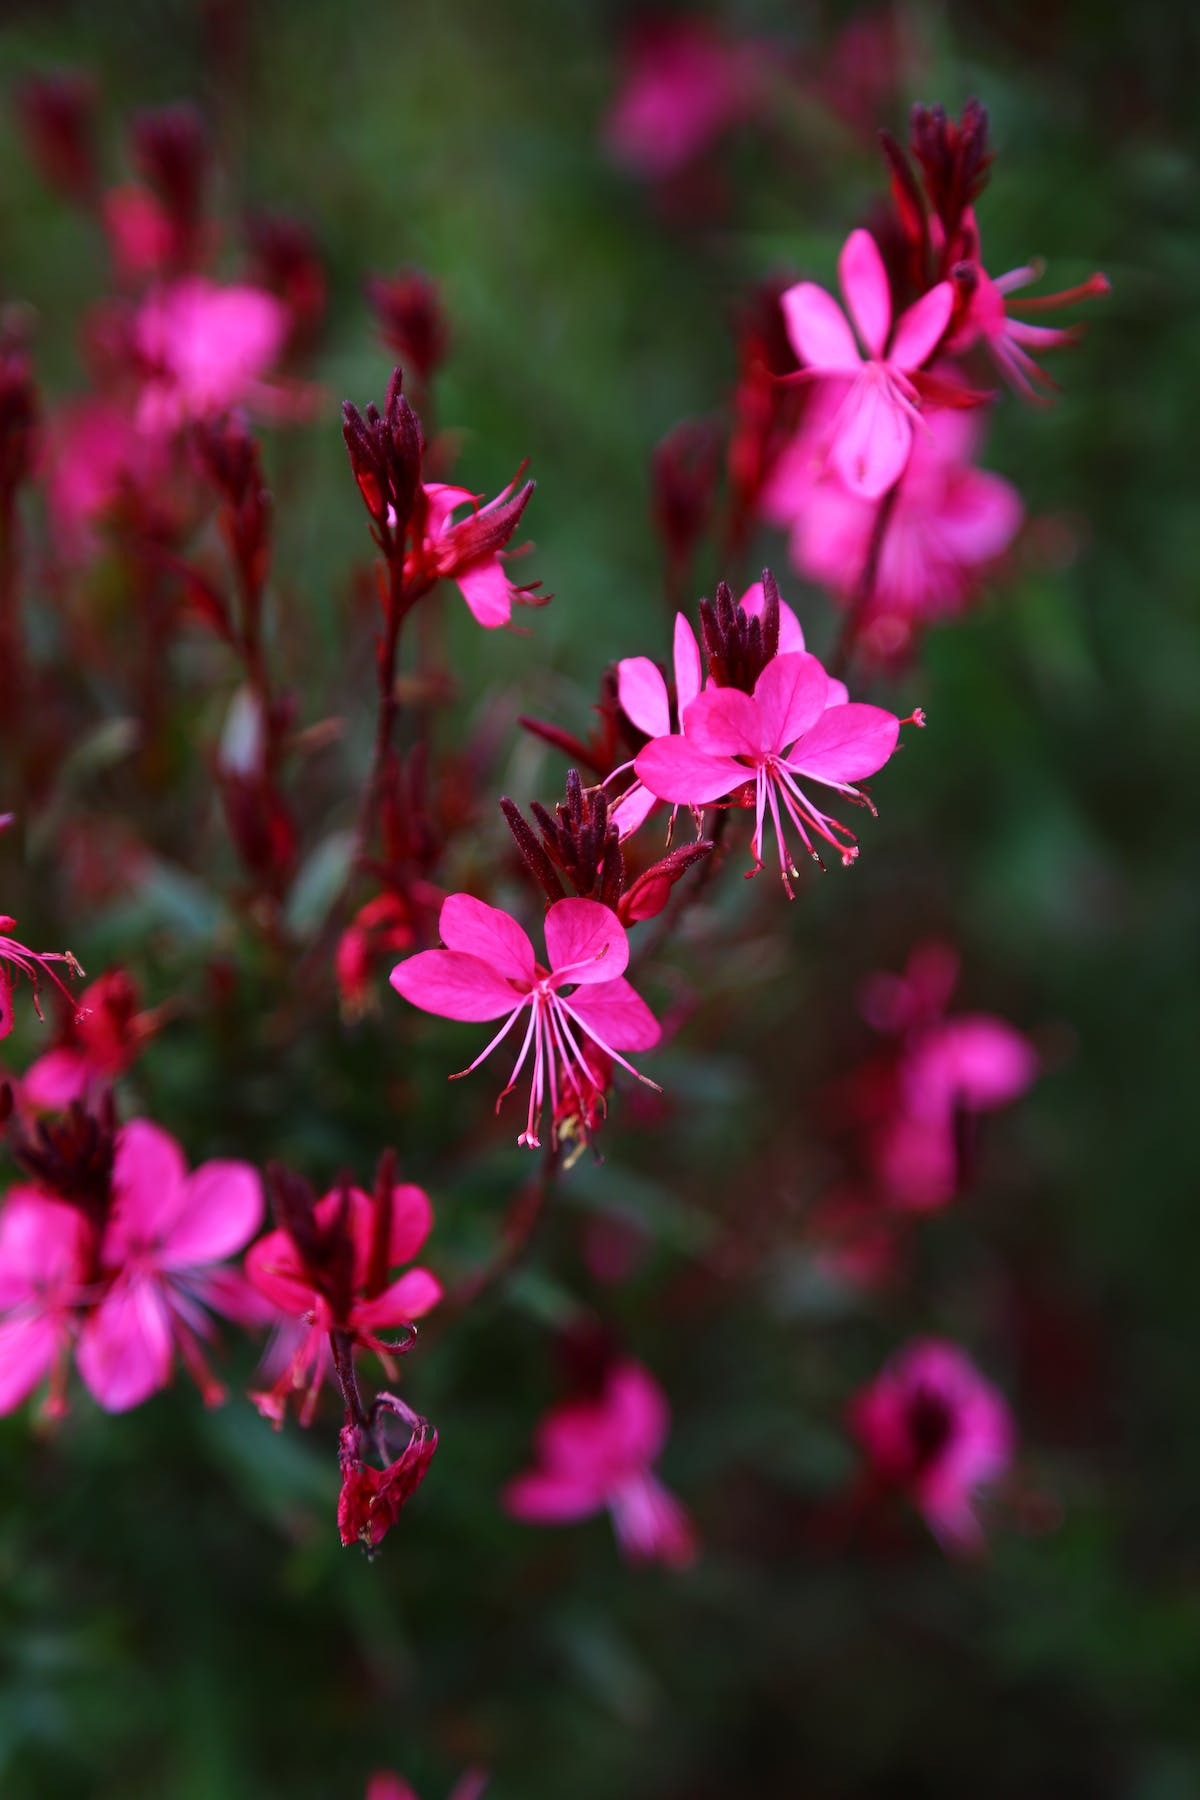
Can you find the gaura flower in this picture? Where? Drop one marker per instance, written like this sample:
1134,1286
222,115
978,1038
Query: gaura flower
683,87
789,729
599,1453
206,348
871,433
468,551
932,1427
162,1245
103,1039
488,971
42,1252
333,1272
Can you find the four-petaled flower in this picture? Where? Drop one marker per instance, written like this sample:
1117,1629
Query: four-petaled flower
488,971
931,1426
597,1453
871,433
468,551
790,727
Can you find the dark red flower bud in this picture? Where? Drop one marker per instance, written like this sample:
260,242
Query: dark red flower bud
171,151
386,451
646,897
57,113
411,320
738,645
285,258
954,159
72,1156
578,839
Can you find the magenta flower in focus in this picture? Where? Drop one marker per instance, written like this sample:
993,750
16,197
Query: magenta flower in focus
204,349
598,1453
792,727
488,971
469,551
930,1426
161,1250
871,433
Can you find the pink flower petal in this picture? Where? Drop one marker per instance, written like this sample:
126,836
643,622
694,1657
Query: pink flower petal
415,1293
638,1409
642,693
542,1499
222,1209
148,1179
864,285
56,1079
689,674
617,1015
454,985
631,811
29,1344
487,591
412,1221
847,743
588,939
484,931
980,515
273,1266
724,722
675,770
871,449
789,695
818,329
124,1350
922,327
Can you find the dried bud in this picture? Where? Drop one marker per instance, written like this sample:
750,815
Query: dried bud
411,319
371,1499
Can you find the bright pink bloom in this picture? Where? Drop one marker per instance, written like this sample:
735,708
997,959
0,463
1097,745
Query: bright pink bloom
16,957
95,452
949,521
988,315
931,1426
683,87
205,349
470,551
488,971
790,728
598,1453
347,1287
161,1250
872,431
42,1251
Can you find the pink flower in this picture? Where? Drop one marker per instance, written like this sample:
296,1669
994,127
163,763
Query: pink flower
988,315
683,87
16,958
790,727
931,1426
42,1252
469,551
165,1237
598,1453
488,971
105,1034
948,522
95,453
333,1273
141,236
206,348
872,430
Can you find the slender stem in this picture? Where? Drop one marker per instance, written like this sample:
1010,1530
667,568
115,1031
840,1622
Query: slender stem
864,593
386,654
13,682
341,1343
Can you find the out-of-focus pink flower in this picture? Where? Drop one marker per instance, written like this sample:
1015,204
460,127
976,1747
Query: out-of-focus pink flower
948,522
42,1255
335,1275
204,349
141,237
167,1234
488,971
682,88
987,315
599,1453
871,434
790,729
105,1034
17,959
94,452
932,1427
469,551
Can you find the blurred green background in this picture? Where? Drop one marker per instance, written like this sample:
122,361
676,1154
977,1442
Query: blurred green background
176,1617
